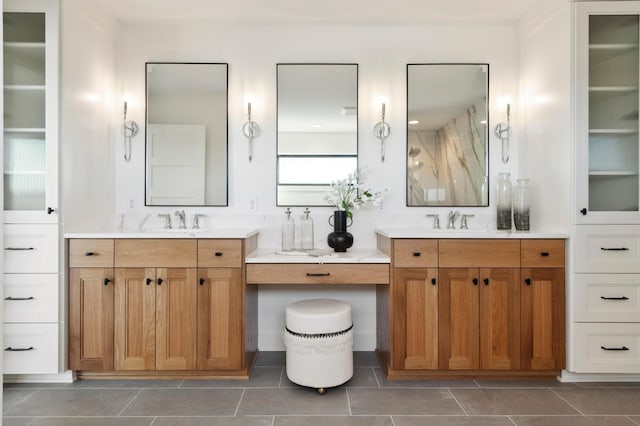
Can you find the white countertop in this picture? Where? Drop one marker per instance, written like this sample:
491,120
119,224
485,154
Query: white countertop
169,233
465,233
318,256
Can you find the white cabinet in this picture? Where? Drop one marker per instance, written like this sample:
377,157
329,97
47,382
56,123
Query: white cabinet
31,248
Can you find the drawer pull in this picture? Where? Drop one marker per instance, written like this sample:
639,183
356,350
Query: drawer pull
149,280
326,274
416,254
107,281
624,348
614,249
486,281
527,281
218,254
89,253
475,281
544,254
10,349
201,281
433,281
19,248
614,298
19,298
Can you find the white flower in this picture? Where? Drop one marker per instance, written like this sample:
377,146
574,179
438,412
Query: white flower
348,195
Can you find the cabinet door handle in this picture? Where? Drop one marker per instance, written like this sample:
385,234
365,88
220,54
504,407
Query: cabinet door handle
89,253
201,281
544,254
19,248
149,281
107,281
584,212
218,254
326,274
19,298
475,281
50,210
10,349
614,298
527,281
624,348
159,281
433,281
416,254
614,248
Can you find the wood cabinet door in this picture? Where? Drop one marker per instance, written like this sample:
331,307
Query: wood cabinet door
542,319
220,323
91,292
499,319
416,318
176,304
458,303
135,323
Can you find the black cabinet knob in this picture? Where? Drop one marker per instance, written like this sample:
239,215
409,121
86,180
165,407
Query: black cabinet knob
218,254
433,281
527,281
584,212
107,281
416,254
201,281
159,281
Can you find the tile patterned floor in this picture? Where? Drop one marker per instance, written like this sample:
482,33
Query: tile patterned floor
369,399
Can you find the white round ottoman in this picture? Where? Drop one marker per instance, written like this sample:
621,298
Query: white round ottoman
319,341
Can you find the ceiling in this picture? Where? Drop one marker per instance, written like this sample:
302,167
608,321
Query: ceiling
353,12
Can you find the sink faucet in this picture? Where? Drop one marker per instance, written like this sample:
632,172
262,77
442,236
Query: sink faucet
463,221
196,222
181,216
167,220
452,217
436,220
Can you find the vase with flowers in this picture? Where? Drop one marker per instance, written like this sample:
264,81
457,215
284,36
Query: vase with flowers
347,195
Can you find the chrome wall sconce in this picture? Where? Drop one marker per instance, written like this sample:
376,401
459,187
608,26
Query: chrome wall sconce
381,131
503,132
251,130
129,129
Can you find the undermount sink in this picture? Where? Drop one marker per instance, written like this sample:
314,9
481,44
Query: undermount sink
186,231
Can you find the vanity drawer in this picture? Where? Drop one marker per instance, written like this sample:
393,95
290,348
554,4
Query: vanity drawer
31,248
606,248
607,348
150,253
30,297
91,253
307,273
607,297
415,253
542,253
219,253
462,253
34,349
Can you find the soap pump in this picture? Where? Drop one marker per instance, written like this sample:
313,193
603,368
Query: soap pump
288,231
306,231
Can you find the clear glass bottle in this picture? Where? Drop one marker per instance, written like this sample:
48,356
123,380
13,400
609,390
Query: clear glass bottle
288,231
503,202
521,205
306,231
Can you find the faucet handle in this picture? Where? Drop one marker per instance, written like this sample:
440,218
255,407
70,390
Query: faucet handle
196,222
463,221
167,220
436,220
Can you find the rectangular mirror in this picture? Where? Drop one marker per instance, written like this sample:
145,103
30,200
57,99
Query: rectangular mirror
447,135
317,130
186,134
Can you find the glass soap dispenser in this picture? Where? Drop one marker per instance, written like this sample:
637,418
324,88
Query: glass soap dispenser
288,231
306,231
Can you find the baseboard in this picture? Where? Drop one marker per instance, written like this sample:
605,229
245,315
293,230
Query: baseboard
567,376
65,377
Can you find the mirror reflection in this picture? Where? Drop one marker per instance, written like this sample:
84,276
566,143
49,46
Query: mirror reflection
447,134
186,134
317,130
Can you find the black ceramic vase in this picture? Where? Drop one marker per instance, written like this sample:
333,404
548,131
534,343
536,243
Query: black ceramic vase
340,240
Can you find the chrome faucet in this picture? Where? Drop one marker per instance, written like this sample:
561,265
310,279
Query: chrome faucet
463,221
436,220
167,220
452,218
196,222
181,217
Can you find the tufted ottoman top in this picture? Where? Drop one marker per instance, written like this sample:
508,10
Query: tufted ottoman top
317,316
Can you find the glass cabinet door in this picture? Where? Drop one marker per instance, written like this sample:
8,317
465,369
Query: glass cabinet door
30,117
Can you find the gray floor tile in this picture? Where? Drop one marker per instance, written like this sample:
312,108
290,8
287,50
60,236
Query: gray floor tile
42,385
612,401
214,421
260,377
271,358
184,402
403,401
74,402
92,421
452,421
514,401
128,384
16,421
608,384
333,420
635,419
572,421
363,377
422,383
293,401
523,383
11,397
365,359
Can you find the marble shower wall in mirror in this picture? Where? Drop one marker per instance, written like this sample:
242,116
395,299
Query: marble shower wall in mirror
186,134
447,135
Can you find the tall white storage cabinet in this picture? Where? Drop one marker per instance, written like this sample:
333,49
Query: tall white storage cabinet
605,316
32,321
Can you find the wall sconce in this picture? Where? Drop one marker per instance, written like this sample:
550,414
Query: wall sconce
381,130
129,129
503,132
251,130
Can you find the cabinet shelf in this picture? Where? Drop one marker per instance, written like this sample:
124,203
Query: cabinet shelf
605,173
613,46
612,131
25,172
24,130
24,87
613,88
24,45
